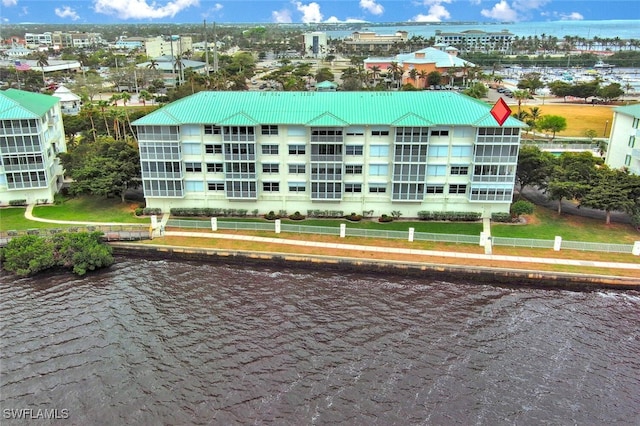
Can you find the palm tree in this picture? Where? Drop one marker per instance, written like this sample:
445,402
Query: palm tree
423,74
89,110
520,95
535,113
153,64
43,61
396,72
126,97
103,106
413,74
145,96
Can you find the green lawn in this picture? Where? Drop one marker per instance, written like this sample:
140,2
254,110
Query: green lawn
12,218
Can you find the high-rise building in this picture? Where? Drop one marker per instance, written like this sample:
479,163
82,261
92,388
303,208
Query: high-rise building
624,143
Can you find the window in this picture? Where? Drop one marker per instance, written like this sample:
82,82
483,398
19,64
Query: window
379,150
379,133
269,129
270,149
355,131
211,130
433,170
215,186
457,189
354,150
439,133
215,167
297,187
352,187
270,168
353,169
213,149
296,149
636,123
193,167
627,160
271,186
461,151
377,188
459,170
435,189
296,169
378,169
438,151
632,141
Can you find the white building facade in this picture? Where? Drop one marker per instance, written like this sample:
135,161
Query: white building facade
374,152
624,144
31,136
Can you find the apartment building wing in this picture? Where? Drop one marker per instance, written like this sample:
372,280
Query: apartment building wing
344,151
624,143
31,136
368,41
476,40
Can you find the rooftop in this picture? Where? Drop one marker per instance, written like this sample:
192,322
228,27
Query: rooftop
19,104
423,108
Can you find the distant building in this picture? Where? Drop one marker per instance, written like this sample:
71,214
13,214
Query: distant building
31,136
70,103
366,42
624,143
326,86
342,151
315,44
476,40
174,45
62,39
172,72
424,60
130,43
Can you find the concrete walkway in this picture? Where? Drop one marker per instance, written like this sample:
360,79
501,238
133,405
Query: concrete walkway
160,231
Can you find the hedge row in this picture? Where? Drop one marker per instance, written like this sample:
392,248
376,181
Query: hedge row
208,212
501,217
325,213
451,216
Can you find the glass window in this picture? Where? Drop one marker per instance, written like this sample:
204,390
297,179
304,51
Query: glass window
270,149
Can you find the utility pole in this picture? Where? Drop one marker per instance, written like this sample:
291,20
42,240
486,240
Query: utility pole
206,48
215,49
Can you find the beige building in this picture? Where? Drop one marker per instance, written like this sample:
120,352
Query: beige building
172,46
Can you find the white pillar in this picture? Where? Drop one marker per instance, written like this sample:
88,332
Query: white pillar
412,231
488,246
278,225
636,248
343,230
483,239
214,223
154,221
557,243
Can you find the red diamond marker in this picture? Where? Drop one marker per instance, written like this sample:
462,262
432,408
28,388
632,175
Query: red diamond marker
501,111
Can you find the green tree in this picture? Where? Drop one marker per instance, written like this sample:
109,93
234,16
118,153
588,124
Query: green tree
552,123
434,78
324,74
521,207
106,168
609,193
533,167
28,254
476,90
611,91
82,251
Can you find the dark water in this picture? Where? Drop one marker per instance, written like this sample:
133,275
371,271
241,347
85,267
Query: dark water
157,342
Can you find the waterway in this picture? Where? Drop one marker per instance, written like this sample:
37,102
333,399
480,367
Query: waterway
161,342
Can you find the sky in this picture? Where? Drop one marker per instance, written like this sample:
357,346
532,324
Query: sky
299,11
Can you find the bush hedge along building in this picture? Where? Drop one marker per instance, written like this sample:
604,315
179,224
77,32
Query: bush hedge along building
374,152
31,136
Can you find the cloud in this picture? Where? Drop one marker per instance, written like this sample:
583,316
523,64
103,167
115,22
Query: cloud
9,3
67,12
139,9
335,20
500,12
436,12
310,12
573,16
372,7
281,16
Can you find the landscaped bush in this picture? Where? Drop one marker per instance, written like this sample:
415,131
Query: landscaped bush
206,212
138,211
384,218
148,211
18,202
329,214
521,207
297,216
501,217
354,217
449,216
271,216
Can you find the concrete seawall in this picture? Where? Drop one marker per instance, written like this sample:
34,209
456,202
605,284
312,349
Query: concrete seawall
466,274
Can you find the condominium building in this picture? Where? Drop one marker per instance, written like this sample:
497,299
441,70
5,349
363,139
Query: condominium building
315,44
624,143
31,136
476,40
369,42
342,151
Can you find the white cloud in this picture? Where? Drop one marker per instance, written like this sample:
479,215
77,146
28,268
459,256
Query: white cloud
310,12
335,20
573,16
9,3
139,9
281,16
501,12
436,12
66,12
372,7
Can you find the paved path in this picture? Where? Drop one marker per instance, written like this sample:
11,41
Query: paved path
28,214
518,259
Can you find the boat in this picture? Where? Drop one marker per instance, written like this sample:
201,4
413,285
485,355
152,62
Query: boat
600,64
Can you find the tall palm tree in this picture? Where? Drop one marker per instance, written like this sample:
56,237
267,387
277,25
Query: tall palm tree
422,75
520,95
126,97
413,74
103,106
396,72
43,61
153,64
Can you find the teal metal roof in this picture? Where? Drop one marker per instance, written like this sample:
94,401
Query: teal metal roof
420,108
633,110
19,104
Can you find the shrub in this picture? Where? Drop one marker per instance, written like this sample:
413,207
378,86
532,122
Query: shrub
501,217
148,211
271,216
296,216
384,218
138,211
521,207
354,217
18,202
